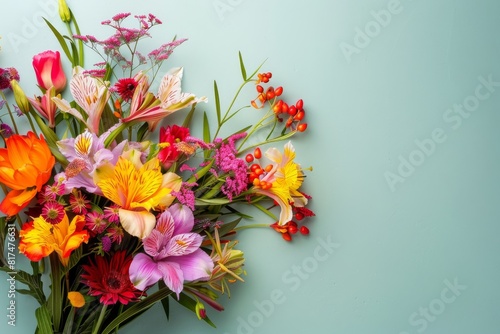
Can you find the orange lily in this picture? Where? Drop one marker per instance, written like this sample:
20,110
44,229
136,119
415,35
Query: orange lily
25,166
39,238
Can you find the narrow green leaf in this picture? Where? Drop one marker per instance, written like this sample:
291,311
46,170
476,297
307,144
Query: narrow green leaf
165,301
217,103
189,117
34,283
242,66
256,71
211,201
206,129
75,52
142,131
228,227
239,131
206,134
43,319
136,308
267,212
80,43
60,39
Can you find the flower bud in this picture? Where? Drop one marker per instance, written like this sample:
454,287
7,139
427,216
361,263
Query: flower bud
64,12
49,71
20,97
201,313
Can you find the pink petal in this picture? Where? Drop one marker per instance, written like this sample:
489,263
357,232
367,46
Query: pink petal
195,266
144,271
183,244
183,218
172,276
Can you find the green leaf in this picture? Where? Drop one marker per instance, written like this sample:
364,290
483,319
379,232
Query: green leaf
43,319
206,128
142,131
228,227
34,283
80,43
242,67
189,116
267,212
211,201
217,103
206,134
73,50
136,308
165,301
60,38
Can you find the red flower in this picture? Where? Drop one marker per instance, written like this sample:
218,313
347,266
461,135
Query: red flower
170,136
125,88
110,279
49,71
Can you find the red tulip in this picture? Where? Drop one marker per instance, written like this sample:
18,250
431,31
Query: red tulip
49,71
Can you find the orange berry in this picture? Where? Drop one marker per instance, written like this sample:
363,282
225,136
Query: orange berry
292,110
292,229
299,116
299,216
286,236
270,93
249,158
278,91
260,89
257,153
268,168
302,127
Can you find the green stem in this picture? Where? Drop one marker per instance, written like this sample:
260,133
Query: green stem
10,112
56,298
99,321
28,116
225,118
250,226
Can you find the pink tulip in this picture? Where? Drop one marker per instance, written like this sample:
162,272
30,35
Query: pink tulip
49,71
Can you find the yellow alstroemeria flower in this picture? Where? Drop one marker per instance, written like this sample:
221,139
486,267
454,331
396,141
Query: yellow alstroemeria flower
39,238
137,188
285,178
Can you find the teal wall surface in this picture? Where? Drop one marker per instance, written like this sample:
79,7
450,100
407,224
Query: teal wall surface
403,106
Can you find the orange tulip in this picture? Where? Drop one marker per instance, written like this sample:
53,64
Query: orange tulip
39,238
25,166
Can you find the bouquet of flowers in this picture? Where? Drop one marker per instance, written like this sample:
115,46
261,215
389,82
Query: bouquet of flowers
127,209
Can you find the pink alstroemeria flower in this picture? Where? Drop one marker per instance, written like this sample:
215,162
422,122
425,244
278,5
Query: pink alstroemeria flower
45,106
172,253
49,71
85,154
145,107
91,94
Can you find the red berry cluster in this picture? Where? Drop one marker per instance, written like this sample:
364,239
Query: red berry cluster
289,229
270,94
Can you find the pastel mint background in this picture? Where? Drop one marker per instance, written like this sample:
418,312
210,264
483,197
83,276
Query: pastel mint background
402,101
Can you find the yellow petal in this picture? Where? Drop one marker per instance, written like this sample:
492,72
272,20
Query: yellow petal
137,223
